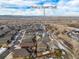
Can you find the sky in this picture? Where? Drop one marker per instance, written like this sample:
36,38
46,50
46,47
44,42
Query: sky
25,7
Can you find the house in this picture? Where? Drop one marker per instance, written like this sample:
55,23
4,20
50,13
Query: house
38,27
76,30
28,37
27,44
6,37
52,45
20,54
41,47
46,38
27,41
3,30
3,40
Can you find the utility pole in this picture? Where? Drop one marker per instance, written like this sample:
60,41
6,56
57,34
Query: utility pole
44,14
44,11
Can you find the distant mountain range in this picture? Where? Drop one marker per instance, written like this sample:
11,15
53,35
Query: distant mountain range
12,17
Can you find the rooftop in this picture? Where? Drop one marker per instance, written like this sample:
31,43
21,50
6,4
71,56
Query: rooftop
20,52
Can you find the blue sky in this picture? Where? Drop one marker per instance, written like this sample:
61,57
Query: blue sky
23,7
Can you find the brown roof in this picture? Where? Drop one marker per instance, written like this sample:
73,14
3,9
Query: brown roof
27,44
41,44
27,40
20,52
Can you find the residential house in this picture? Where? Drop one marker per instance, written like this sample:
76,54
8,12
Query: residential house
20,54
41,47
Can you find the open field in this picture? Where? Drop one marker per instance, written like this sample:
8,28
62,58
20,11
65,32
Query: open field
30,19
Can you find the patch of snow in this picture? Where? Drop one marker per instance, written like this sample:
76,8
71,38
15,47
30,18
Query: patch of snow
2,50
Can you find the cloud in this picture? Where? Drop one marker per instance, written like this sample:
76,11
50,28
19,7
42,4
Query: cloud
67,7
28,12
23,7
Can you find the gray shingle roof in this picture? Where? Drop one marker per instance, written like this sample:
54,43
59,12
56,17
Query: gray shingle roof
20,52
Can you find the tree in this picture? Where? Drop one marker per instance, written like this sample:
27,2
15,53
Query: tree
8,41
58,53
0,46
